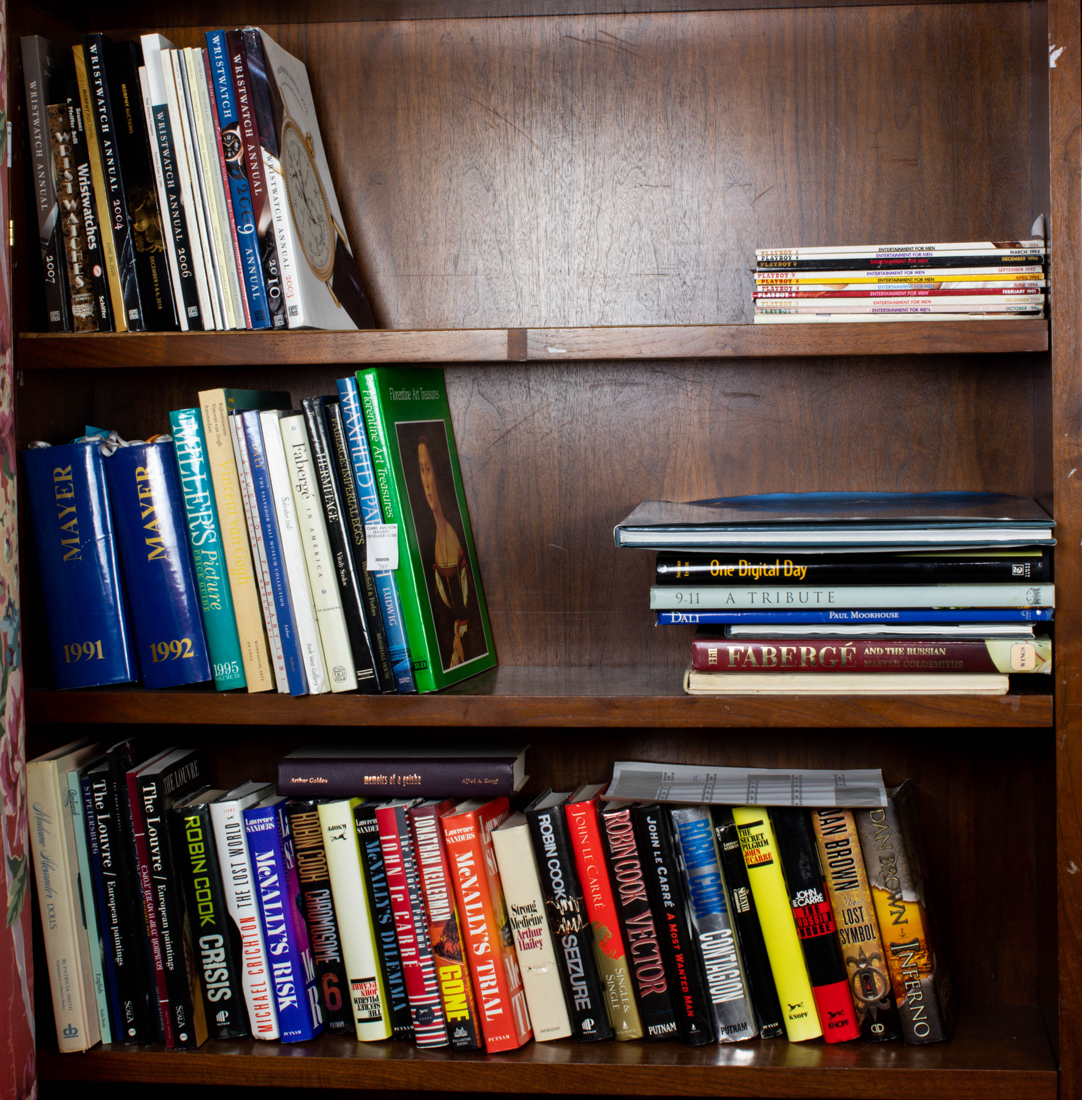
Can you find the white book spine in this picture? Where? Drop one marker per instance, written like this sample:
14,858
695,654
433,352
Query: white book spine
283,232
533,941
259,555
782,598
304,612
322,580
238,883
367,995
56,875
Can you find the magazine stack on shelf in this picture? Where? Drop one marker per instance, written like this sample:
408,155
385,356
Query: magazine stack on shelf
879,593
956,281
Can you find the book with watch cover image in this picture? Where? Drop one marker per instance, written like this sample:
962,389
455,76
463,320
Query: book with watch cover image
326,289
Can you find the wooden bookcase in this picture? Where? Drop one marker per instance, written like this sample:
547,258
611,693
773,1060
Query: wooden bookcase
558,202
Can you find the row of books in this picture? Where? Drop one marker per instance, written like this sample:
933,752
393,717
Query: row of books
943,281
184,188
459,924
853,593
320,549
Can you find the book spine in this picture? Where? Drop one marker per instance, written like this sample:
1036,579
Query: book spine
857,927
868,618
418,962
296,570
144,492
609,947
505,1021
351,513
38,64
444,926
63,137
565,909
205,540
872,655
916,974
666,887
779,928
749,932
86,611
534,947
240,189
317,903
349,401
253,162
318,561
338,538
94,792
239,886
311,777
296,997
259,551
215,939
907,261
638,922
228,498
1002,272
383,926
368,995
711,926
815,923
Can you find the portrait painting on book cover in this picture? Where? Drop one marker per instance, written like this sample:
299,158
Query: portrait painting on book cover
452,580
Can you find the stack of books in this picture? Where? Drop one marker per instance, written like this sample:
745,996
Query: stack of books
184,188
952,281
312,549
850,593
184,912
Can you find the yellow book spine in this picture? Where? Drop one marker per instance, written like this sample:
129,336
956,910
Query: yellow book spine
776,917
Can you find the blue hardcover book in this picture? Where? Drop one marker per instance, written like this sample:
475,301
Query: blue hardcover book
296,994
243,212
86,610
267,518
349,402
144,490
870,617
208,551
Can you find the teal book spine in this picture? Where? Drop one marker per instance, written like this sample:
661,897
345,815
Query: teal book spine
205,539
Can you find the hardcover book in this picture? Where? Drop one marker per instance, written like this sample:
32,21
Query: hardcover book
86,609
145,495
63,138
416,465
872,619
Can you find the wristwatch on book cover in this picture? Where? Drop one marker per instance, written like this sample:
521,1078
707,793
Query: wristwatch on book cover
322,242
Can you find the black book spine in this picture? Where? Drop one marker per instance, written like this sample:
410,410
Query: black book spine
105,122
214,936
317,904
348,584
774,569
93,266
665,884
140,186
351,509
639,923
80,297
379,898
100,816
42,73
749,933
569,924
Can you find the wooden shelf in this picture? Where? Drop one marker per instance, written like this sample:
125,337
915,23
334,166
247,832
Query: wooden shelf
41,351
531,696
997,1052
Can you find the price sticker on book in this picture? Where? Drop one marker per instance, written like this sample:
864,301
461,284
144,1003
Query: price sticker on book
382,547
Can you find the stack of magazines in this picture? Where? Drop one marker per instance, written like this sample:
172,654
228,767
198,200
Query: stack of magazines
993,280
879,593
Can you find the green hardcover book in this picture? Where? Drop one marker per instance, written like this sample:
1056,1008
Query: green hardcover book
205,540
416,466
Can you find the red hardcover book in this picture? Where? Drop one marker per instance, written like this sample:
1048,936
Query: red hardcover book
444,925
407,904
486,931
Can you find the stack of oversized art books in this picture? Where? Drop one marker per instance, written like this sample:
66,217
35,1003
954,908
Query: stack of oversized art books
871,593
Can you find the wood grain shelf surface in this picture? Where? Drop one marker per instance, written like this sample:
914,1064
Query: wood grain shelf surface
42,351
997,1053
543,696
